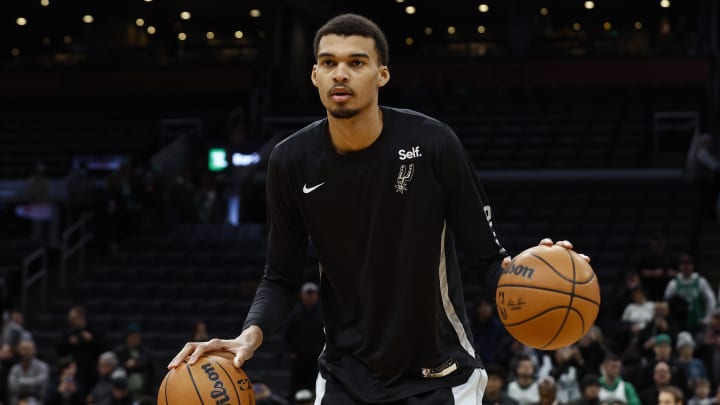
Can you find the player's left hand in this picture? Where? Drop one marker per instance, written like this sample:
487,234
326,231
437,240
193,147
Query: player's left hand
548,242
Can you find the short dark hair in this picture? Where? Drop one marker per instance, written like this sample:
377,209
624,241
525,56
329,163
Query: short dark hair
496,370
354,24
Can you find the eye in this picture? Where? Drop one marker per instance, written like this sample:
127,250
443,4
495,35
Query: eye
327,62
358,63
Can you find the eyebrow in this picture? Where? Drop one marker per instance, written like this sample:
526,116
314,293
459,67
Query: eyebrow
352,55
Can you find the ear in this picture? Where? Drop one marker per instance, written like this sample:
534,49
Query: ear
313,75
384,76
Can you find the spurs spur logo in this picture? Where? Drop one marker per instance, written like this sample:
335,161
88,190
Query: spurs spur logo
404,177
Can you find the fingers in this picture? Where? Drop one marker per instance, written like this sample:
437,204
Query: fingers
184,353
240,357
565,244
584,257
202,348
506,262
546,242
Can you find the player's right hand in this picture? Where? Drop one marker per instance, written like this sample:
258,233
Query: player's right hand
241,348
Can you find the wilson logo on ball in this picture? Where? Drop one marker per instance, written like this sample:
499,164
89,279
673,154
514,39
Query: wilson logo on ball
219,393
520,270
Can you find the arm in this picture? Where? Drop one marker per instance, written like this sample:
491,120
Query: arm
287,242
631,394
37,382
708,297
670,290
468,212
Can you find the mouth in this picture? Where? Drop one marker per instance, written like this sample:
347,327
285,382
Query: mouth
340,94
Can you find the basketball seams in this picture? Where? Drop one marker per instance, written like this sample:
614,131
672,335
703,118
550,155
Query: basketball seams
539,314
192,379
232,382
166,381
533,287
562,276
569,306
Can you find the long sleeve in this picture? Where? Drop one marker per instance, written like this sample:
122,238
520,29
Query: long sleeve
631,394
469,214
670,289
287,243
708,298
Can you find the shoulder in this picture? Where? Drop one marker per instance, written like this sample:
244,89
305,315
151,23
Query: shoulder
295,144
411,119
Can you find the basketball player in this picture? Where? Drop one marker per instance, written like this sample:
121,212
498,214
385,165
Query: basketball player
384,194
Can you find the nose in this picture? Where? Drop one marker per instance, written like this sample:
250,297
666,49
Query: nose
340,74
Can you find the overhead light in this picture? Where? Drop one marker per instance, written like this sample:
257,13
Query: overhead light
88,19
481,29
589,5
544,11
210,35
255,13
638,25
410,10
484,8
400,1
428,31
148,1
151,30
182,36
239,34
451,30
21,21
139,22
607,26
409,41
664,3
185,15
576,26
67,39
15,52
44,3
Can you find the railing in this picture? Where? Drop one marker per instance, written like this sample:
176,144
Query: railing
28,279
68,250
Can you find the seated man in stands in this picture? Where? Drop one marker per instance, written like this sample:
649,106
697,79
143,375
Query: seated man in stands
663,352
137,360
638,313
495,389
661,379
656,267
694,289
670,396
29,378
613,389
709,346
524,389
83,344
108,369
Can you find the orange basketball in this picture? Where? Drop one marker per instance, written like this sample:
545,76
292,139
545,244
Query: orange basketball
548,297
212,380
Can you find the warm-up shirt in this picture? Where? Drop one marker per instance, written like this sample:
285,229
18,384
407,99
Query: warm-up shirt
384,222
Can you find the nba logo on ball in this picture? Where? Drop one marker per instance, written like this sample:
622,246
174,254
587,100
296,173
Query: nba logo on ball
548,297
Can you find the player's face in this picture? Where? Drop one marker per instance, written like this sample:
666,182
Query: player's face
348,74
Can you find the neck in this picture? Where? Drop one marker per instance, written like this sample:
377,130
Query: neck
356,133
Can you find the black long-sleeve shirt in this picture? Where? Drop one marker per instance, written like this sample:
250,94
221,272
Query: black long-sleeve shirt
384,222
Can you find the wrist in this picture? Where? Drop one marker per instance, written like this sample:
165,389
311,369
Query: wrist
252,335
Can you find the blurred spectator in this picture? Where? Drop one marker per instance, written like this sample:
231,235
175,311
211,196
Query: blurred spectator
14,331
524,388
120,392
613,389
661,379
662,353
67,389
695,289
638,313
83,344
568,371
305,339
656,267
199,333
137,361
590,390
488,331
495,388
592,349
709,346
547,391
621,297
662,322
702,393
28,378
205,198
703,166
304,397
694,368
670,395
107,367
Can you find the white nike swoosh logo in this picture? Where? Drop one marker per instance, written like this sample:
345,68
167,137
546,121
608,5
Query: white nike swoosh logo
307,189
